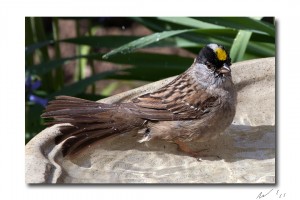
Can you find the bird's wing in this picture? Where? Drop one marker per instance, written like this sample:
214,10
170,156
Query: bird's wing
182,99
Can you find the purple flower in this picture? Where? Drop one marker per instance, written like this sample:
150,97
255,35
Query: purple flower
38,100
30,86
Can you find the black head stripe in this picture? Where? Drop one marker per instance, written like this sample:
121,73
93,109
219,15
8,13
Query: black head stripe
207,55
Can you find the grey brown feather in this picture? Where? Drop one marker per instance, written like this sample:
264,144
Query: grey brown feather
198,104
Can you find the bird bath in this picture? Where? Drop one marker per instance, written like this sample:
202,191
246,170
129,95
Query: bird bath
246,150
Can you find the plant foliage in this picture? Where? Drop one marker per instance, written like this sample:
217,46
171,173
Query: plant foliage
245,37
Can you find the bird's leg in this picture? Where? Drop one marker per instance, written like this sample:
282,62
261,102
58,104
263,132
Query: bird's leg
146,133
196,154
186,149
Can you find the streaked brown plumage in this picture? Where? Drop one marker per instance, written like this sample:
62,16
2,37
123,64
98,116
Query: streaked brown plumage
198,104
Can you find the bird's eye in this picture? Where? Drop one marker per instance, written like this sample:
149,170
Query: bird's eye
209,65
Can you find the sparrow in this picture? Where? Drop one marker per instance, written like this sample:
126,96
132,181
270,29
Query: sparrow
198,105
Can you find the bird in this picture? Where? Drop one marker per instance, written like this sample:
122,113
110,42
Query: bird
198,105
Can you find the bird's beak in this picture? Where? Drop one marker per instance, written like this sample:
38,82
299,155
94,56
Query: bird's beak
224,69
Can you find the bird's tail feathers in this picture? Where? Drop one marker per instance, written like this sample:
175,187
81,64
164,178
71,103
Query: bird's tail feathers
90,121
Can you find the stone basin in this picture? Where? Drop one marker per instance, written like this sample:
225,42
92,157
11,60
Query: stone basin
245,153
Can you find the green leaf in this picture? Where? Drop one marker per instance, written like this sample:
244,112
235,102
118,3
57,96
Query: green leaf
31,48
144,41
239,45
173,23
45,67
80,86
189,22
196,38
260,49
201,36
141,59
152,23
102,41
148,74
152,60
145,66
256,37
244,23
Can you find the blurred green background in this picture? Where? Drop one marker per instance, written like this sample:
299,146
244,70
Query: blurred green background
97,57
